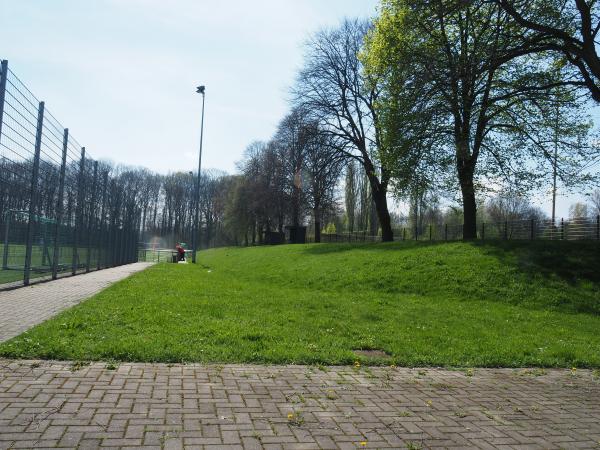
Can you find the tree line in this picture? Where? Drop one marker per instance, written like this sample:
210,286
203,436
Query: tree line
436,100
460,110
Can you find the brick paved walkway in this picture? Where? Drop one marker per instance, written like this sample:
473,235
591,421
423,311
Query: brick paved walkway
25,307
53,404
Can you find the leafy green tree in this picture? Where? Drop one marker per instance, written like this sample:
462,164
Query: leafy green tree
478,85
568,27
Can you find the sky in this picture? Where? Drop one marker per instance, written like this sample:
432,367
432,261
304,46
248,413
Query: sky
121,74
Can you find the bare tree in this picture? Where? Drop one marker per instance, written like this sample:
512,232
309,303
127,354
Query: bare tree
350,194
323,165
335,90
595,198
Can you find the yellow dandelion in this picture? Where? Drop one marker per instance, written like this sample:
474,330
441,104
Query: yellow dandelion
290,416
356,363
363,443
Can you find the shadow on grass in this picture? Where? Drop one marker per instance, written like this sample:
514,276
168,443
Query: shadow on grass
327,248
571,261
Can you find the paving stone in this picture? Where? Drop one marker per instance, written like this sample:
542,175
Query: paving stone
42,404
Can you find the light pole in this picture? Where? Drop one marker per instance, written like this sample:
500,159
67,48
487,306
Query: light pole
199,90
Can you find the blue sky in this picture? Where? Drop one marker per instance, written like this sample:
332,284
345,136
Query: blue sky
121,74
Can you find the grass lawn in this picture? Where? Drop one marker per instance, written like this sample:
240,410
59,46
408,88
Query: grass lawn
449,304
41,267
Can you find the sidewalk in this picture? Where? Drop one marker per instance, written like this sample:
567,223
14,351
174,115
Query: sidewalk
25,307
154,406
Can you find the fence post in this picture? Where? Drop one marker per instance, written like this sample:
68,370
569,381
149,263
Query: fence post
102,258
532,229
59,203
430,231
33,194
562,228
3,77
403,234
78,213
91,219
506,230
416,233
598,227
446,232
6,218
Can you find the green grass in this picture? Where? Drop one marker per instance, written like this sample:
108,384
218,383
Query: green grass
505,304
41,266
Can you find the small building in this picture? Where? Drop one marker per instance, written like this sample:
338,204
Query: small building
295,234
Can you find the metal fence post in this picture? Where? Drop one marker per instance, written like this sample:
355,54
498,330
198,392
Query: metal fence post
562,228
33,194
6,218
3,77
430,231
416,233
598,227
59,203
125,245
532,229
403,234
78,213
101,258
91,219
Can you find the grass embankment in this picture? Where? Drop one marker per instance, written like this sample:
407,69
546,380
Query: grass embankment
456,304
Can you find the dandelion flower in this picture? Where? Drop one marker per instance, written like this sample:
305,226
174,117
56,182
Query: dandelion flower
290,416
363,443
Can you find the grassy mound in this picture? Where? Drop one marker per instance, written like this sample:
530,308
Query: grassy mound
456,304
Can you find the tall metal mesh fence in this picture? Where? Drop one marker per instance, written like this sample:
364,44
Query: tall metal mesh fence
61,211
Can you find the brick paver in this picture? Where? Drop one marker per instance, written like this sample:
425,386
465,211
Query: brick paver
25,307
55,404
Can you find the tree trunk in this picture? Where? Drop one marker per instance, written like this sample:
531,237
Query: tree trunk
383,214
295,206
317,225
373,222
465,176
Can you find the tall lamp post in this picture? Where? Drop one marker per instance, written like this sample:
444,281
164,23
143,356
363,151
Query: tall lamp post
199,90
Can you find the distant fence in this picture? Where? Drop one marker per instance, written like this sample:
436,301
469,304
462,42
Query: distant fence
160,255
61,212
572,229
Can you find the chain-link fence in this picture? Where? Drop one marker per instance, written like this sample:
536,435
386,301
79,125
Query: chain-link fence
61,212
